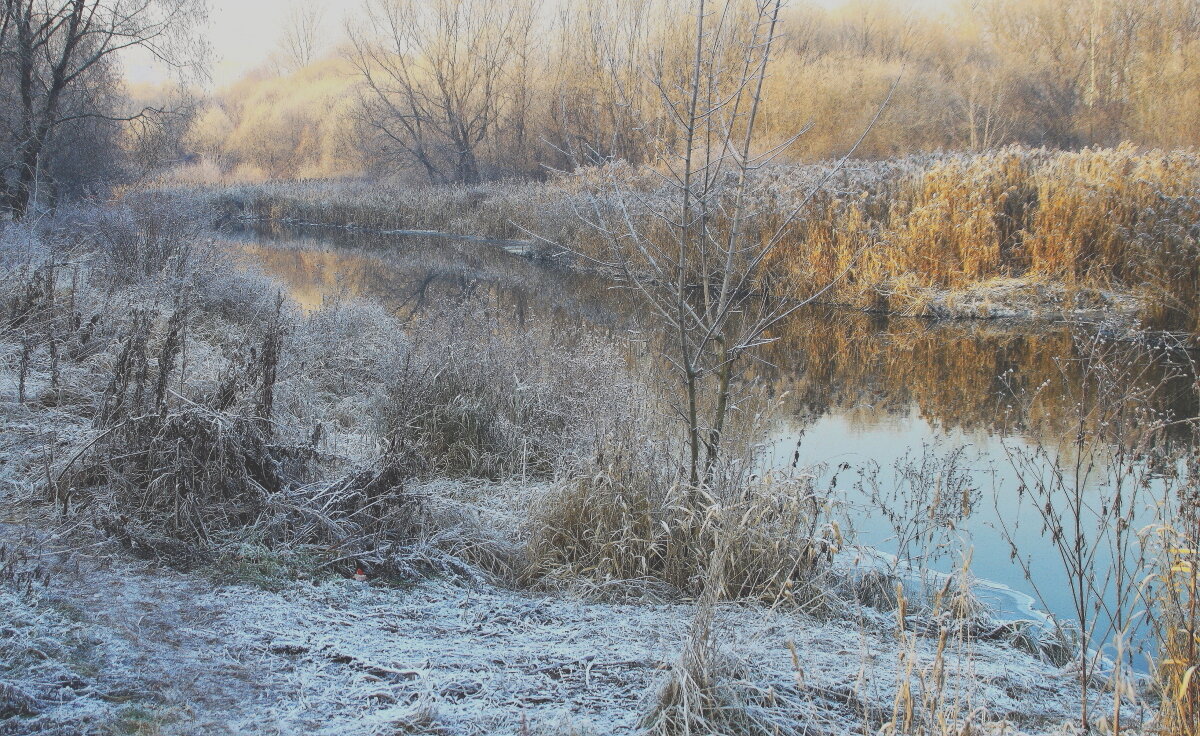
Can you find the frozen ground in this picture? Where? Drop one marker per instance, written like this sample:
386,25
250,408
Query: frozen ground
94,640
115,645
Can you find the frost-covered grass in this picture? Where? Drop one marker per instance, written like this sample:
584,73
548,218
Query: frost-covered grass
47,661
501,210
151,649
199,467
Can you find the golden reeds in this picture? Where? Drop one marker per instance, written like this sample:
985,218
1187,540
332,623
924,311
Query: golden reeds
1176,628
906,234
1119,219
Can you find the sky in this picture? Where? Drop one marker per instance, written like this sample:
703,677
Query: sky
244,33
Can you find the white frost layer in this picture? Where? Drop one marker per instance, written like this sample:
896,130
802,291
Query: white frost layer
352,658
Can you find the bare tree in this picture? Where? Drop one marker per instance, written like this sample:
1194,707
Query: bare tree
983,103
55,49
301,41
434,73
602,96
698,261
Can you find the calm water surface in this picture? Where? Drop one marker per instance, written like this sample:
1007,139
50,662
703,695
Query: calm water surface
854,393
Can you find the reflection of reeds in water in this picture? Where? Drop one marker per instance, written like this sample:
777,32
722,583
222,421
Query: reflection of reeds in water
967,376
973,377
411,273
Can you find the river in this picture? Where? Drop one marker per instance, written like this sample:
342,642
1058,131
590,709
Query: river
880,403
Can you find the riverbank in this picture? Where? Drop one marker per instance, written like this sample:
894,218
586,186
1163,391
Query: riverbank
113,644
131,646
1095,235
255,457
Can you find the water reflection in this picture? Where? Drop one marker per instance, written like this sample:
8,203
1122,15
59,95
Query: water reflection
851,388
409,273
967,376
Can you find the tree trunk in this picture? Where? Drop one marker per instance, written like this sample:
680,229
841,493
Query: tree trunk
21,196
713,447
468,166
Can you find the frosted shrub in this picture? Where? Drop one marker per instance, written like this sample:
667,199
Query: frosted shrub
630,523
336,363
473,396
148,236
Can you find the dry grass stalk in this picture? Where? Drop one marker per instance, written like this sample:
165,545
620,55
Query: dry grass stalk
629,524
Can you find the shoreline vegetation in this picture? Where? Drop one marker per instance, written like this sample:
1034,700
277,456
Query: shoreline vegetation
159,399
478,510
162,399
1095,235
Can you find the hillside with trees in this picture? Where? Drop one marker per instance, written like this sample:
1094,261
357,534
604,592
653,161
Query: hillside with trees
551,86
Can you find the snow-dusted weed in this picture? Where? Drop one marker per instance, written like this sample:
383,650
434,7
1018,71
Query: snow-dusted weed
629,527
475,397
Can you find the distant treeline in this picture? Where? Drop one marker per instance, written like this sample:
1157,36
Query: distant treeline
468,90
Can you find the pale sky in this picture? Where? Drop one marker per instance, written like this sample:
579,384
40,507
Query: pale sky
244,33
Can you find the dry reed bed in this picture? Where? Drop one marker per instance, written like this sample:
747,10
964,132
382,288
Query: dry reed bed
1095,220
1094,231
